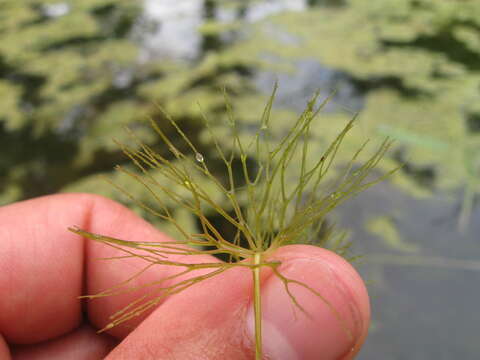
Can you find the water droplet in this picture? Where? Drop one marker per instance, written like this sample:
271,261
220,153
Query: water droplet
335,195
199,157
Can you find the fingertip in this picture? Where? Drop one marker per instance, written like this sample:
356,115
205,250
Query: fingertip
336,313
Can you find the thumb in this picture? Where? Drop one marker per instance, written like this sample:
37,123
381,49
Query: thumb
214,319
335,320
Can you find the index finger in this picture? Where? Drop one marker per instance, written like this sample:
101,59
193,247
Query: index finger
44,268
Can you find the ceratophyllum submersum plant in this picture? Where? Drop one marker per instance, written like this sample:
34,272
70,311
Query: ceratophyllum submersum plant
277,202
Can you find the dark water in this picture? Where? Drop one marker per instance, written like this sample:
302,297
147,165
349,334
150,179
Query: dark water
426,308
311,76
423,308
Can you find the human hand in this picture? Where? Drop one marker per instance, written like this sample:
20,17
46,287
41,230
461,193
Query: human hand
44,269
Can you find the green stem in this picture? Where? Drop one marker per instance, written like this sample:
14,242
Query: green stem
257,306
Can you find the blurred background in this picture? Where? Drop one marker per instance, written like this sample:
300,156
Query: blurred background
74,73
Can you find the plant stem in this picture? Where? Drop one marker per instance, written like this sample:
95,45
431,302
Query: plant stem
257,306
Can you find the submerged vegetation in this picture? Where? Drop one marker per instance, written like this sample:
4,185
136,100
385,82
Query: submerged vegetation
282,199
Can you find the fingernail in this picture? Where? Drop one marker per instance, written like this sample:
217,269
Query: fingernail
329,326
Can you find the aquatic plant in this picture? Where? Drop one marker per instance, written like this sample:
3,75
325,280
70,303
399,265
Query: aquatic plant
277,210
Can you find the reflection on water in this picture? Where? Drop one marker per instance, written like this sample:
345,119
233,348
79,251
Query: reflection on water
55,10
173,25
259,10
173,29
174,35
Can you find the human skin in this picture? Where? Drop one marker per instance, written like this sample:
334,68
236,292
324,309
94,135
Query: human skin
44,269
